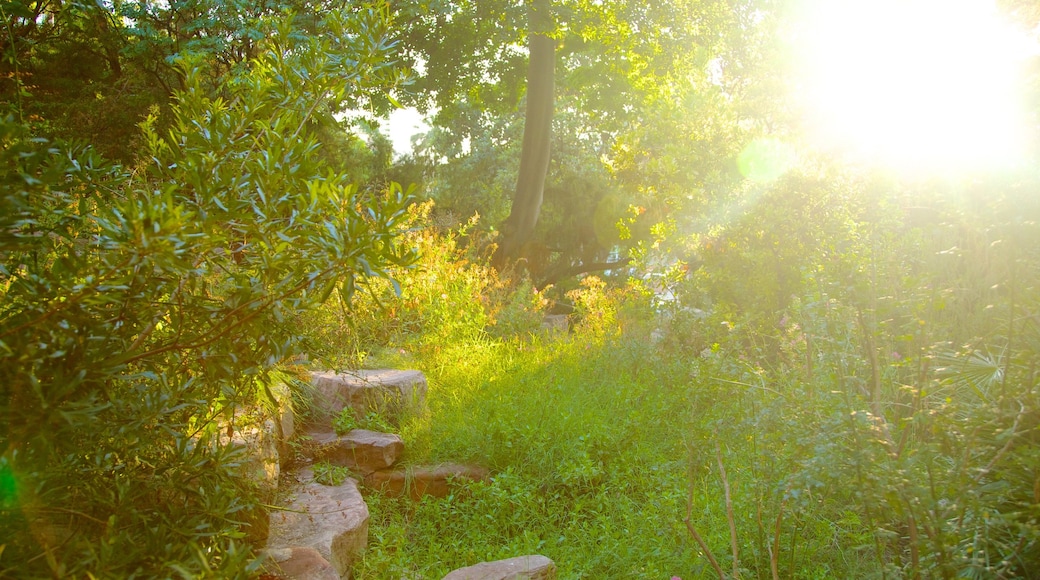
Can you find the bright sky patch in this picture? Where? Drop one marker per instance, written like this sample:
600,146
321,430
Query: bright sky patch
915,84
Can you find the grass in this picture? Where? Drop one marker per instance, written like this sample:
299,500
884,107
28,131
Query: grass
884,429
595,445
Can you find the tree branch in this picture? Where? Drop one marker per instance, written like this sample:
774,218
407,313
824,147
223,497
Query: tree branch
557,274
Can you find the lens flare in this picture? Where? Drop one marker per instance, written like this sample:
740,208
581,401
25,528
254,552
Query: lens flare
915,84
8,486
765,160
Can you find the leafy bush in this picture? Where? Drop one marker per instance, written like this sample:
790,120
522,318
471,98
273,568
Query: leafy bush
139,309
450,296
888,394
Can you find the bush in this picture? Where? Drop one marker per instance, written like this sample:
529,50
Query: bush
449,296
140,309
886,399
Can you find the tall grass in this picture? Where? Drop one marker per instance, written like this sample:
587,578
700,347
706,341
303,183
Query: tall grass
597,442
882,429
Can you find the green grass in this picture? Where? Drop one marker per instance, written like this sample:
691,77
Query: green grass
856,442
594,447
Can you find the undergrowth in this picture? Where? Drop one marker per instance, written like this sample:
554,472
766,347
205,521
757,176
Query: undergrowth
883,425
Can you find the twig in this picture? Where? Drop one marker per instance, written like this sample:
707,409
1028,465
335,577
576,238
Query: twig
774,551
915,559
729,511
740,384
697,537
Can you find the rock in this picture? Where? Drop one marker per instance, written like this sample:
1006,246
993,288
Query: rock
260,443
555,323
300,564
332,520
389,392
263,433
286,421
417,482
361,450
520,568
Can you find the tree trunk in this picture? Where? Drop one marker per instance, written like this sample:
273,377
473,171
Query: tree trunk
534,157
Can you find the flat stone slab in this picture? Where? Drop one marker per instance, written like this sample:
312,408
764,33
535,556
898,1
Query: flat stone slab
387,391
299,564
331,519
519,568
419,481
361,450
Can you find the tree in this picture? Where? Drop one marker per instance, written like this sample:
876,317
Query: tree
534,156
92,71
614,64
66,70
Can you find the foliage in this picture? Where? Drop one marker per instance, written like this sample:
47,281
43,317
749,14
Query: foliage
92,71
142,308
574,432
449,296
67,69
855,350
860,350
639,114
889,382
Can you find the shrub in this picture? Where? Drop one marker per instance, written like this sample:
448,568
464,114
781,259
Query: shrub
139,309
449,296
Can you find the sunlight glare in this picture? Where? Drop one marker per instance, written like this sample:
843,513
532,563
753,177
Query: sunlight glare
920,84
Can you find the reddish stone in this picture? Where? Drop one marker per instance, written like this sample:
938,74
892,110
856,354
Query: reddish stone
388,392
300,564
417,482
361,450
332,520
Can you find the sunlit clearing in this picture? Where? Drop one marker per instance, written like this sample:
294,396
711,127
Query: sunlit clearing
929,85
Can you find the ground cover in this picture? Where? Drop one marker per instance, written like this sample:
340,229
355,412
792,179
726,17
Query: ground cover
596,446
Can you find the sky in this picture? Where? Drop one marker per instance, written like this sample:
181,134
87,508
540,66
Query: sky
402,125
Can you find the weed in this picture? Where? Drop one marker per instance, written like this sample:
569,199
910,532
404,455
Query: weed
347,421
327,474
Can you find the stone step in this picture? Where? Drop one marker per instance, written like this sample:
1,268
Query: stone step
419,481
299,564
330,519
361,450
263,436
533,567
386,391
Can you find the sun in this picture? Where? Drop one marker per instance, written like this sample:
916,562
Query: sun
919,85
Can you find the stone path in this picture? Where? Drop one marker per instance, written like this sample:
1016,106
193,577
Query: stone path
322,530
333,520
